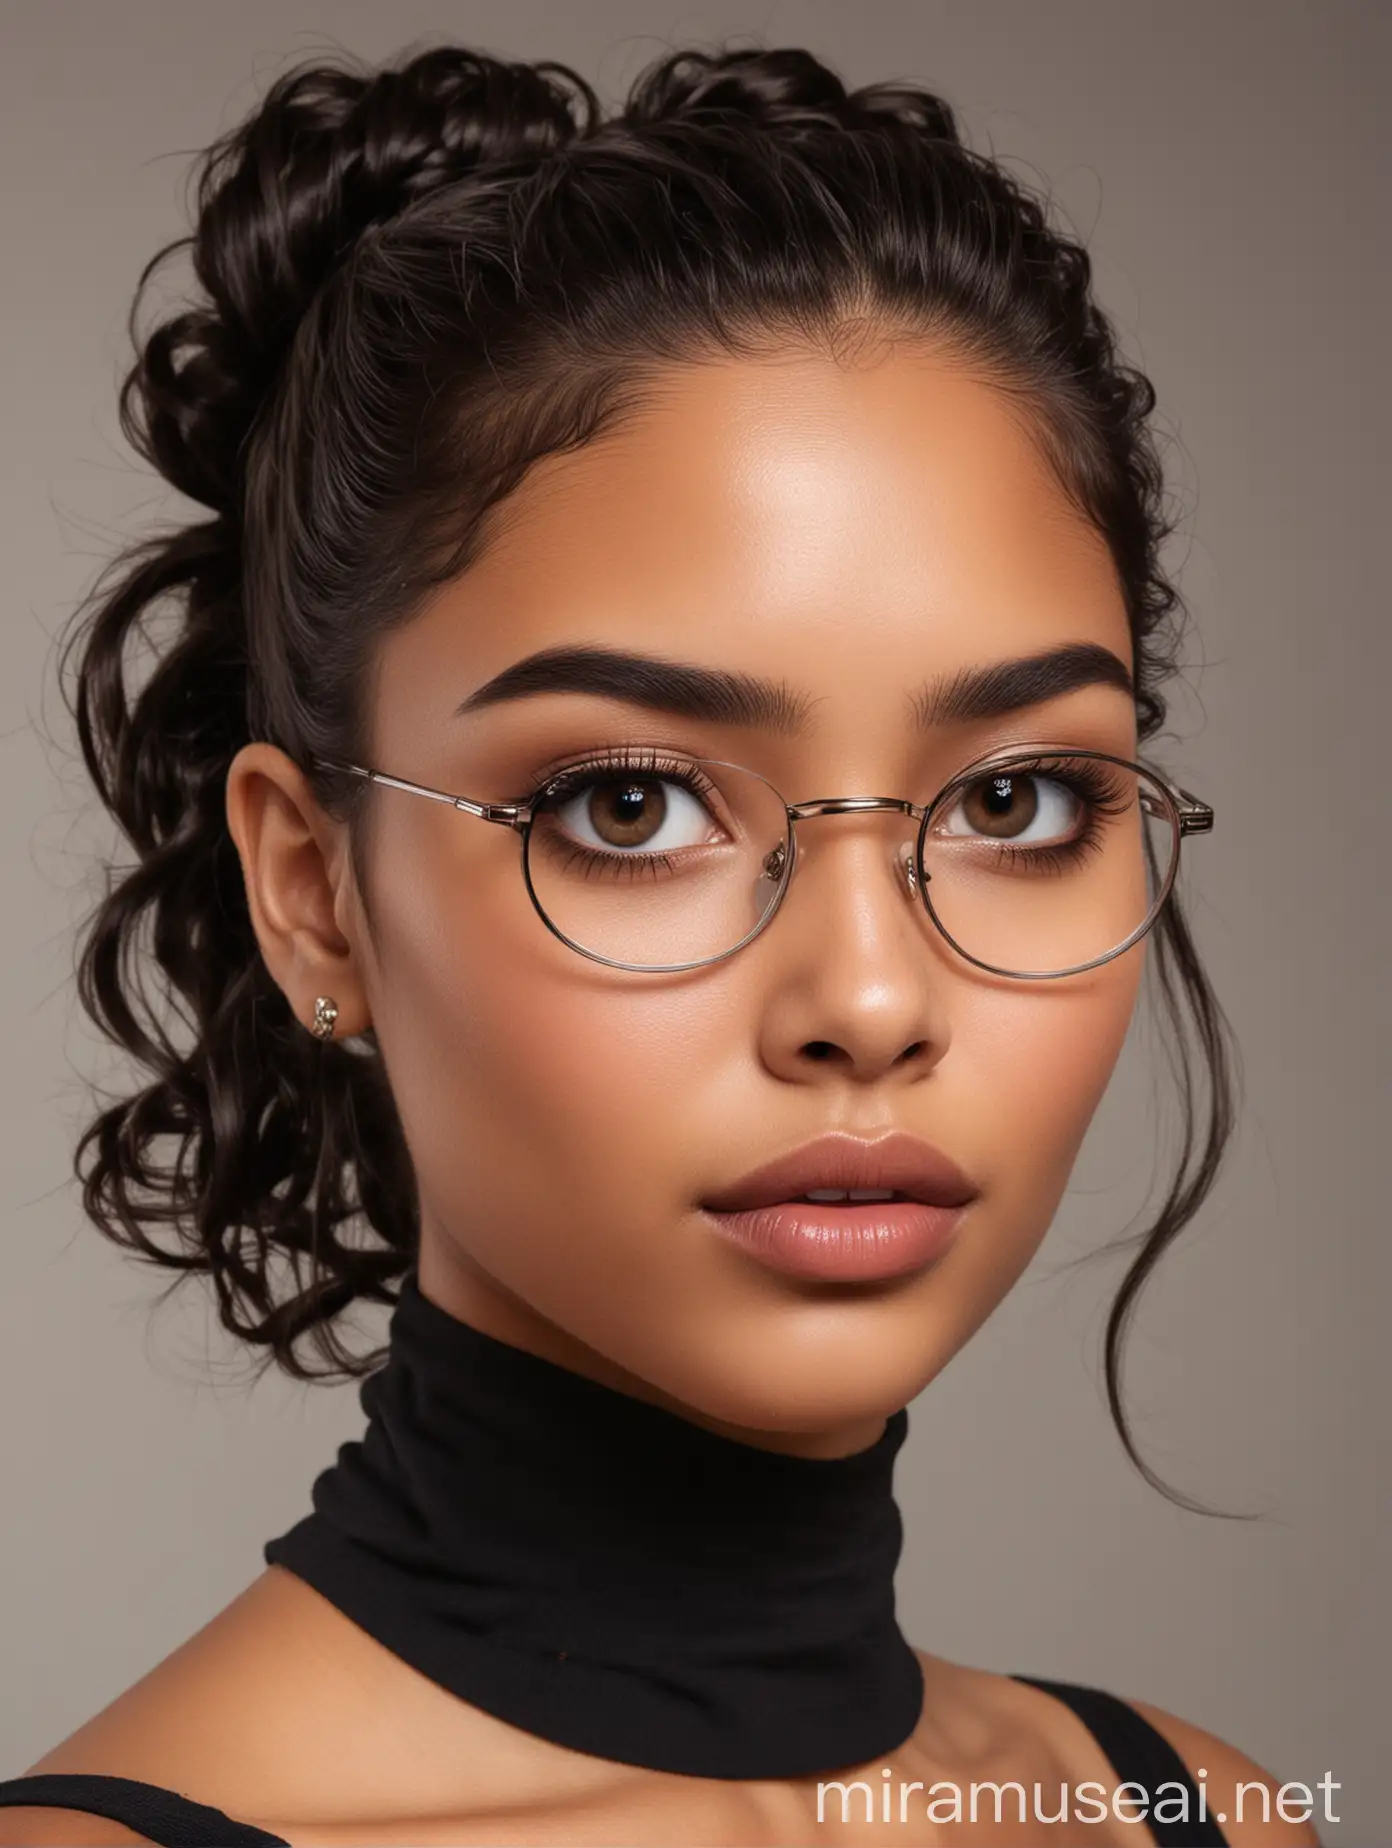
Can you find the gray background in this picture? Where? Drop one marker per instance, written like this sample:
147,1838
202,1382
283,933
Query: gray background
1227,166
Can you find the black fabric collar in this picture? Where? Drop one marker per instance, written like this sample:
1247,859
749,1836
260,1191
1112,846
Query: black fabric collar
608,1575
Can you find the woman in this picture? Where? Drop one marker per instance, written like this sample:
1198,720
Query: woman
644,811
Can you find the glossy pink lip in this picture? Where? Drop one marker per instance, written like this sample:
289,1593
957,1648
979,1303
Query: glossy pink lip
842,1244
897,1161
849,1242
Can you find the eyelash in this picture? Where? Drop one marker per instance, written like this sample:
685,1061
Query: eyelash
621,760
1087,779
628,759
1098,789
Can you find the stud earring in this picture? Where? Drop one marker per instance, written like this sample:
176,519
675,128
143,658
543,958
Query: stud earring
325,1014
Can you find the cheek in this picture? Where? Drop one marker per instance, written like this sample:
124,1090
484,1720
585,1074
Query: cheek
1037,1063
539,1092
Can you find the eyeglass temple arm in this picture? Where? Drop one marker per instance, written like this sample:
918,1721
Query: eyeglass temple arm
1195,815
508,814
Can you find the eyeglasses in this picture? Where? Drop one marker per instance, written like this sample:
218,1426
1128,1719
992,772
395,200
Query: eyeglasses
1032,864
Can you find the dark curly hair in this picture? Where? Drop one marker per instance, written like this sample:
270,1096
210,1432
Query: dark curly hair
414,281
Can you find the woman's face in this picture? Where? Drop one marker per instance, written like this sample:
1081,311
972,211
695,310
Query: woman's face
854,531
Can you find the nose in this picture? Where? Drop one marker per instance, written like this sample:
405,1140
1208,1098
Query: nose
905,858
857,987
905,862
853,863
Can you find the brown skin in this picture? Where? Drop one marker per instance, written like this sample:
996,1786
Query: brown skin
853,529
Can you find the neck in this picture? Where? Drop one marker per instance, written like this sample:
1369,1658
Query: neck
602,1572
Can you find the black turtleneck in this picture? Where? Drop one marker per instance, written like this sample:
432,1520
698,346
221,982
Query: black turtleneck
608,1575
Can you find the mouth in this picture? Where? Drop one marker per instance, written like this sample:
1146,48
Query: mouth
838,1196
837,1169
845,1208
842,1239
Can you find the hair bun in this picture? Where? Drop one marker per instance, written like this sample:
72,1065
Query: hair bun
281,200
781,88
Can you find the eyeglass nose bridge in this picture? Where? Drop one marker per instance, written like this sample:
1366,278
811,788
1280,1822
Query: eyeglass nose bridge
845,805
851,805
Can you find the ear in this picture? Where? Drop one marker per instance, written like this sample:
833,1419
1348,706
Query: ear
299,886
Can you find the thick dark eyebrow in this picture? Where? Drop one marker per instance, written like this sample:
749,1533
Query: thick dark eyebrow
732,697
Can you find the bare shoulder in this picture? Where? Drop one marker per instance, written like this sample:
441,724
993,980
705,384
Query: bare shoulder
280,1707
208,1722
1254,1808
39,1826
978,1714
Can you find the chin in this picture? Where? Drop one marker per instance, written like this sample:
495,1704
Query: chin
819,1361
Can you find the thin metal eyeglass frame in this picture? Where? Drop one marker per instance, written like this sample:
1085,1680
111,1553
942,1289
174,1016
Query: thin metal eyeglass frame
1186,812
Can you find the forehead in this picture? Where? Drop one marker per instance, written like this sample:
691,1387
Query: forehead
843,525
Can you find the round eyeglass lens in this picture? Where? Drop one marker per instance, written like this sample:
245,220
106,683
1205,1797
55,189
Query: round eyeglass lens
1040,866
661,862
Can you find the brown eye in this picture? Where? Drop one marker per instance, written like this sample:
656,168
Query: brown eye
1013,806
624,810
627,811
1001,805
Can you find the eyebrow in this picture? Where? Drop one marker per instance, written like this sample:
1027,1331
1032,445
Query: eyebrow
726,696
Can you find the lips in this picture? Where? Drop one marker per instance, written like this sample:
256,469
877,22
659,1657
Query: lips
899,1163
